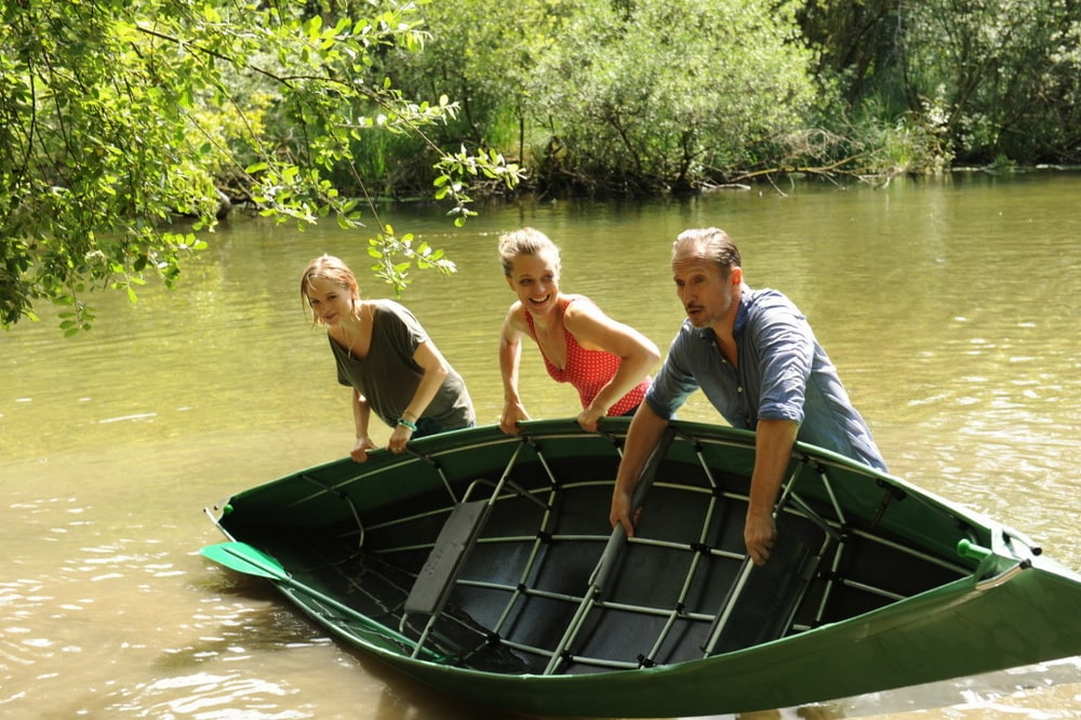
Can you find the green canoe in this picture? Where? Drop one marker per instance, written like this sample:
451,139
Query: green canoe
485,566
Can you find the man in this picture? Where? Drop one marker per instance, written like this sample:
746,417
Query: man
756,358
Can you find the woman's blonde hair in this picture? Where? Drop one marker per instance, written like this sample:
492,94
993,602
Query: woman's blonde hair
526,241
330,268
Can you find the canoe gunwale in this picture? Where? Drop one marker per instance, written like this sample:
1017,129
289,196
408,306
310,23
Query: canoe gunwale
381,461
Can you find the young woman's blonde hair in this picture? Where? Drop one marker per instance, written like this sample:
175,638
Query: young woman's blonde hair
330,268
526,241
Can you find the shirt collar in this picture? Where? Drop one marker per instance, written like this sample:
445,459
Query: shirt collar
746,297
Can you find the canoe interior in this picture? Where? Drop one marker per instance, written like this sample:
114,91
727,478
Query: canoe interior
850,541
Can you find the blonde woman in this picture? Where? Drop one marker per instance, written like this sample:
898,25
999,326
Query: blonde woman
385,356
606,361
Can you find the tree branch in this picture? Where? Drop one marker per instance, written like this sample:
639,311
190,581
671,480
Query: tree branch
212,53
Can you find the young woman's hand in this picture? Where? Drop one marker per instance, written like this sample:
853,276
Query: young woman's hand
588,418
361,448
513,412
399,438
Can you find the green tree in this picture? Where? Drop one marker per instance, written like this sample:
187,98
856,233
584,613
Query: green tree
655,94
998,78
1008,73
486,53
118,116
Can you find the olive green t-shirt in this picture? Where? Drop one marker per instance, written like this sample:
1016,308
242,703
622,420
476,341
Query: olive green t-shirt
388,377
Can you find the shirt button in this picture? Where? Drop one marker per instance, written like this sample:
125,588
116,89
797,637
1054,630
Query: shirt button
739,389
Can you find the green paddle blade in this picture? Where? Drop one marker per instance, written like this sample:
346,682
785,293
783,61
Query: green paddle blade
242,557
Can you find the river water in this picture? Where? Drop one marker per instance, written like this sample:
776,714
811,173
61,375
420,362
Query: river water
951,308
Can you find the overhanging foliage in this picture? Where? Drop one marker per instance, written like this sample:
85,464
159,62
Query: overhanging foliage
117,117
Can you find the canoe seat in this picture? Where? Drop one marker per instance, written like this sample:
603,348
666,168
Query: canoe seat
436,579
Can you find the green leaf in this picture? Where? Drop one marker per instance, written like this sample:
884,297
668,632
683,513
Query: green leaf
255,167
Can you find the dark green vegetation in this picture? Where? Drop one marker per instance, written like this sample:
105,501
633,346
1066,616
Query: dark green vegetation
645,96
119,116
992,82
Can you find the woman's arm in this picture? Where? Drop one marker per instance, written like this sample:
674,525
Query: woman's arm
510,355
596,331
361,414
435,368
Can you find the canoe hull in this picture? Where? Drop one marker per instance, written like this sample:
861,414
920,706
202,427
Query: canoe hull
1012,608
905,646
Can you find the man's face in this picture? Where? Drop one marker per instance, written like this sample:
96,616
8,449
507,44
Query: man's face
707,295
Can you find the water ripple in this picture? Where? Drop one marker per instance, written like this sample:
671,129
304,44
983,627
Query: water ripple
208,696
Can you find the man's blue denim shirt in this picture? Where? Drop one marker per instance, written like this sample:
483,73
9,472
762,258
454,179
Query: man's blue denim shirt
783,374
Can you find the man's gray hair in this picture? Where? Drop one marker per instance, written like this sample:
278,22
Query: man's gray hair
711,244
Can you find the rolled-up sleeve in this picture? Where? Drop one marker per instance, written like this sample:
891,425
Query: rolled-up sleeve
786,349
674,381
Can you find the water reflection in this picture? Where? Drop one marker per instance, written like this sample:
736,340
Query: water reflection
950,309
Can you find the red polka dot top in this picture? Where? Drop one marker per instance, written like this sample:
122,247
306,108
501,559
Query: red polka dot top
588,370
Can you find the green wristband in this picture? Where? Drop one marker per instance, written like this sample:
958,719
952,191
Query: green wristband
407,423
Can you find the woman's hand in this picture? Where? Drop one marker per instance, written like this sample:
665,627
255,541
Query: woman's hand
360,449
513,412
588,418
399,438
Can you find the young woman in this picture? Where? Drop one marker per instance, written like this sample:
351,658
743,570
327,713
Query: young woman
384,354
606,361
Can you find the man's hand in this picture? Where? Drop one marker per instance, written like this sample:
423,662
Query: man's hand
620,513
759,534
360,449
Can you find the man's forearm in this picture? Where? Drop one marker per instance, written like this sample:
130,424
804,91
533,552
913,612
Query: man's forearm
642,436
773,450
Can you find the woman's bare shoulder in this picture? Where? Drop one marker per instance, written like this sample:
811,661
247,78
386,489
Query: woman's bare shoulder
515,316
